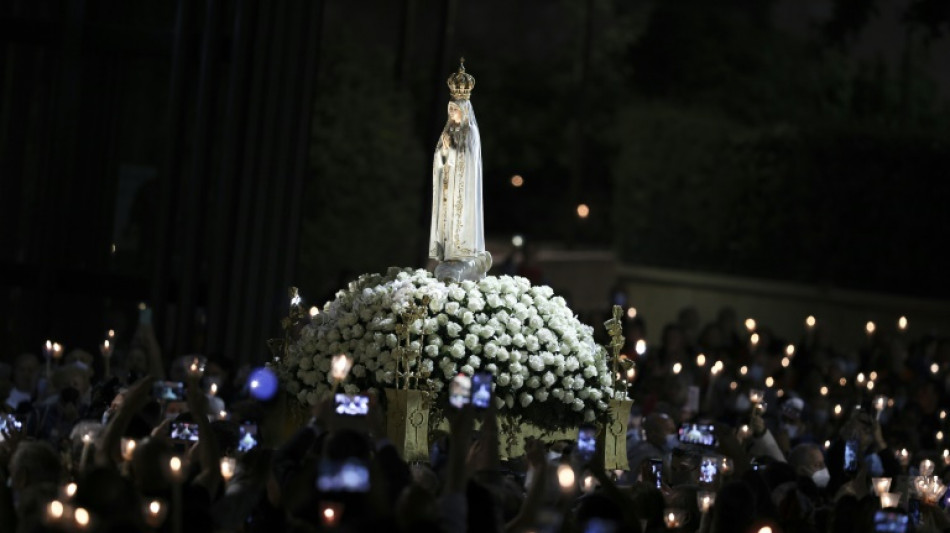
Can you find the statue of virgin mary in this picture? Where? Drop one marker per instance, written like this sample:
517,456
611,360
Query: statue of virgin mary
457,236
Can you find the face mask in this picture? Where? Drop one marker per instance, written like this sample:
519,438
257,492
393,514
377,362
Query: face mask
821,477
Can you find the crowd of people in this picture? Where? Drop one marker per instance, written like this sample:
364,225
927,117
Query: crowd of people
732,430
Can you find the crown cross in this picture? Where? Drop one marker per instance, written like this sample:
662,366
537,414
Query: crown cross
461,83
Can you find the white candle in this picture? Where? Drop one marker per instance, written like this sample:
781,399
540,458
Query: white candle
890,499
155,511
565,477
673,517
55,510
128,448
81,516
881,485
926,467
340,366
228,464
705,500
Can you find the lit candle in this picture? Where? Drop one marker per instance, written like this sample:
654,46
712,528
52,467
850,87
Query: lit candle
838,410
565,477
673,517
754,339
780,393
827,444
314,311
705,500
934,368
943,414
716,368
55,510
769,382
128,448
632,313
213,389
785,362
790,350
733,385
197,368
903,456
881,485
228,465
111,334
939,437
946,457
926,467
81,516
823,390
902,323
641,347
106,349
890,499
756,395
222,415
155,511
174,468
873,376
677,368
701,360
70,489
880,401
588,484
631,373
870,386
330,513
810,322
725,464
743,370
870,327
340,366
744,432
750,324
860,379
843,382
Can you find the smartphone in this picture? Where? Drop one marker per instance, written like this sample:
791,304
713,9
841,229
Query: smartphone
851,455
656,469
586,443
460,391
351,404
890,522
702,434
9,423
708,469
168,391
481,389
350,475
248,439
183,431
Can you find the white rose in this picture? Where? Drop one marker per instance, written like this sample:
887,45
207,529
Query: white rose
431,350
548,379
452,308
358,371
502,355
577,405
541,395
306,363
467,370
476,304
490,349
517,381
536,363
456,293
468,317
504,379
471,341
589,415
567,382
518,340
514,325
474,361
525,399
509,401
515,368
533,382
590,371
578,383
453,329
568,396
457,349
491,367
557,393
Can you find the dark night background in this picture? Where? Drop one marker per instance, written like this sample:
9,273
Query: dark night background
229,149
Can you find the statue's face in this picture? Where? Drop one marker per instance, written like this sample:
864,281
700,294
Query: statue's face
455,114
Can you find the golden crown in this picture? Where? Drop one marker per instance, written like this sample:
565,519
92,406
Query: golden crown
461,83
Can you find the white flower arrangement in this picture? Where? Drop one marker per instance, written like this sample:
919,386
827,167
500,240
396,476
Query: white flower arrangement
548,369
